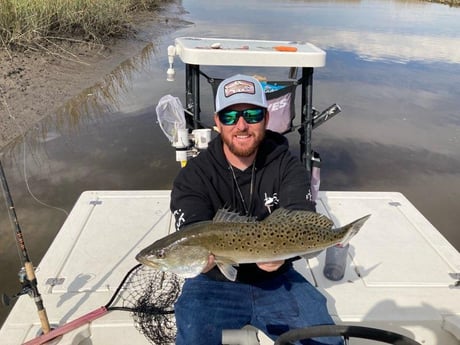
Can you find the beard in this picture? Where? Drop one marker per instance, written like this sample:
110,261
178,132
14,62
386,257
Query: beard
243,150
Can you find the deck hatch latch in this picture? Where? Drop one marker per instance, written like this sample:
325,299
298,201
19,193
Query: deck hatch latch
54,281
455,276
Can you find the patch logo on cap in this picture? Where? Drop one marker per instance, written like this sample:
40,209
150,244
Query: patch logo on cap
239,86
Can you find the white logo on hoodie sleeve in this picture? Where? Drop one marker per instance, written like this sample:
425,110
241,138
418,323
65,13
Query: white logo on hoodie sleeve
271,201
180,219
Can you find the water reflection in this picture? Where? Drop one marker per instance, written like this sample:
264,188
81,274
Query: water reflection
382,46
97,101
399,31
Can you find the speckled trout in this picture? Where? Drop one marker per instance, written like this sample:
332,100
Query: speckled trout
234,240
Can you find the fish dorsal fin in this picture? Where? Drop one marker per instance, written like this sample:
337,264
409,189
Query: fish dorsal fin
223,215
282,215
278,216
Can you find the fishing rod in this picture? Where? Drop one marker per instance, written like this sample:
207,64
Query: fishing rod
30,282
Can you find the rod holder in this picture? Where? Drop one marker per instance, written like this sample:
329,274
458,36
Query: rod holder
170,73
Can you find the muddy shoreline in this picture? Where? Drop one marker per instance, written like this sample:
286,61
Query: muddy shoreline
34,84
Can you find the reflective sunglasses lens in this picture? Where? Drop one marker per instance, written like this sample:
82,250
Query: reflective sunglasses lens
229,117
251,116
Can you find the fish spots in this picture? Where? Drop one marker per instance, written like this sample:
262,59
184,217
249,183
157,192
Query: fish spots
283,234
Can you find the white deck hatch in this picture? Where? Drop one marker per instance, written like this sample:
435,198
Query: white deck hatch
398,275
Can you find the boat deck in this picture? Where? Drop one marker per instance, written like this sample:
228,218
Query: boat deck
398,277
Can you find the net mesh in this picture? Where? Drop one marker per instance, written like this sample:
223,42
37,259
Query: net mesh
150,296
170,116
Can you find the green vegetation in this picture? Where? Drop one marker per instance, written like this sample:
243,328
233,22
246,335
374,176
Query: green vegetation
33,23
453,3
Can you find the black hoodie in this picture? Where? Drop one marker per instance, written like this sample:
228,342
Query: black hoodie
207,184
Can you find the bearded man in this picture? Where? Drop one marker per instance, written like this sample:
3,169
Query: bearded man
250,170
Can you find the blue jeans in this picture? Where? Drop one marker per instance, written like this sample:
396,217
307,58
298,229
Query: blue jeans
206,307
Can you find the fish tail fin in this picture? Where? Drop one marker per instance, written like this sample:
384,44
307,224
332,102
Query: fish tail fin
352,229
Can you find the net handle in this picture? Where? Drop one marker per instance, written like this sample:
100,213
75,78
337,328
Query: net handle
87,318
70,326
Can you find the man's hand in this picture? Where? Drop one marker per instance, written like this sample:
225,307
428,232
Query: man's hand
270,266
210,265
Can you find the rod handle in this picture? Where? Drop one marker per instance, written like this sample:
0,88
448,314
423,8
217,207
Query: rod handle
44,321
30,272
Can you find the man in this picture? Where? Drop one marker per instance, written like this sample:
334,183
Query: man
250,170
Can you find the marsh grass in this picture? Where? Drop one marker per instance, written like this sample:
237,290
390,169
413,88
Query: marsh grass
33,23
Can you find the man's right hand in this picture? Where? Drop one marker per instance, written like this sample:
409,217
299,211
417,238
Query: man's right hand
210,265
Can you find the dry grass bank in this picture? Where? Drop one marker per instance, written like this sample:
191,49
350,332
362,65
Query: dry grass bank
34,24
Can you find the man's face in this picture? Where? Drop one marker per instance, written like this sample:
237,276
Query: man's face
242,139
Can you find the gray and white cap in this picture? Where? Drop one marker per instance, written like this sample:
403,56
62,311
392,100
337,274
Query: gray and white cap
240,89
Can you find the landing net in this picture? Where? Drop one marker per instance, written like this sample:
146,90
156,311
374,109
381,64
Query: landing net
150,296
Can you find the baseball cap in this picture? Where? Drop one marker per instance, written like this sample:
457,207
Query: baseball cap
240,89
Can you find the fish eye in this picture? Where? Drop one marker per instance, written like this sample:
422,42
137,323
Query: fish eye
160,254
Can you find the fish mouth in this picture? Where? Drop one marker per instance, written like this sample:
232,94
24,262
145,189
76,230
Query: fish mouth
143,260
140,258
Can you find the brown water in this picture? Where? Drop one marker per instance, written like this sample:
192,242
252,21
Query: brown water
393,66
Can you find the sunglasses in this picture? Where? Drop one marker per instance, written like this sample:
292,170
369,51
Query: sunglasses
251,116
